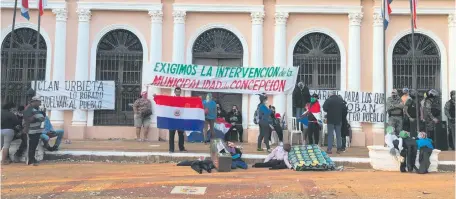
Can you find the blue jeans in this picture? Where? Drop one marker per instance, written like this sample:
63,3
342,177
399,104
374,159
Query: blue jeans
58,134
299,112
331,129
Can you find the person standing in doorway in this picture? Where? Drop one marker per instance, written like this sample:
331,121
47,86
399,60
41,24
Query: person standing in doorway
301,96
432,113
450,113
314,110
33,119
410,114
180,133
210,109
395,109
334,106
142,109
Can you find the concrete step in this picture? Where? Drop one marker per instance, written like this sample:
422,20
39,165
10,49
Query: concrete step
165,157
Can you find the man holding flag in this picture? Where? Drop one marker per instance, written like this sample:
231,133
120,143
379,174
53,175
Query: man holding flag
180,114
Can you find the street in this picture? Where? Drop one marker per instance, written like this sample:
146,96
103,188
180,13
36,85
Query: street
128,180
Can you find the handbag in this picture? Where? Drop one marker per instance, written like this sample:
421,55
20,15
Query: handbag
146,113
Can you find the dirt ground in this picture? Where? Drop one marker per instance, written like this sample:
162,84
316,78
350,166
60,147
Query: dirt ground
117,181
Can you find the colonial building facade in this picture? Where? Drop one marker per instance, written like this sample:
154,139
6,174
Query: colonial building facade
337,45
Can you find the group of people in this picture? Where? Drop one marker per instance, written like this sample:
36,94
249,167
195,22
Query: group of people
307,105
29,124
403,115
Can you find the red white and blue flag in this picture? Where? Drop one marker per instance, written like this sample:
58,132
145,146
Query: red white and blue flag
41,5
25,9
386,12
413,5
179,113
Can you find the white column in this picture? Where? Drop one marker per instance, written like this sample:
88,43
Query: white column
280,53
256,58
354,55
82,59
378,72
155,54
179,39
452,51
58,71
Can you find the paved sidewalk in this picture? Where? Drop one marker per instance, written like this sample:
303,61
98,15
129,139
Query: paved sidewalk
248,148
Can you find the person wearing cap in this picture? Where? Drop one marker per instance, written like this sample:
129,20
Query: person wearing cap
395,109
142,109
450,113
334,107
410,115
33,119
432,111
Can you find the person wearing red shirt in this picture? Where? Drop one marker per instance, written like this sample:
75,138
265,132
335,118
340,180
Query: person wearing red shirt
313,131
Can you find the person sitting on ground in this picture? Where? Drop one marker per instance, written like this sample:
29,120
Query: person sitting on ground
49,133
236,155
277,159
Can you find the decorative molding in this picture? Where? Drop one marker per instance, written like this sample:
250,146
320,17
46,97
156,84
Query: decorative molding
378,19
33,5
333,9
257,17
61,14
419,11
355,18
84,14
281,18
156,16
452,20
47,39
179,16
218,8
120,6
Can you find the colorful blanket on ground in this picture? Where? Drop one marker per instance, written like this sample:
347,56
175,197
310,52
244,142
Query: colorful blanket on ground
309,157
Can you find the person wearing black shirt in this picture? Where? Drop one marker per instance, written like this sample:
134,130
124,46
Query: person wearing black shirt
9,123
220,112
410,114
234,117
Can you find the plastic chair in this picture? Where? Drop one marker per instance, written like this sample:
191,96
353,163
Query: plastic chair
295,129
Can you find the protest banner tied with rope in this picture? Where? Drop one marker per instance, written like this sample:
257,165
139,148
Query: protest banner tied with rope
269,80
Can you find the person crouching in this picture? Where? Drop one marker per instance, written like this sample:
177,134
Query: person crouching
236,155
277,159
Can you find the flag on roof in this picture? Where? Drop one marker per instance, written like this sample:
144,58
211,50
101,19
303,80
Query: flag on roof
179,113
41,5
25,9
386,12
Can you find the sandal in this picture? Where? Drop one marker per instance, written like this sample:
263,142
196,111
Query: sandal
260,149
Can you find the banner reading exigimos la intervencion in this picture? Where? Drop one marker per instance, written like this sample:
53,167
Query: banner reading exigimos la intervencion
269,80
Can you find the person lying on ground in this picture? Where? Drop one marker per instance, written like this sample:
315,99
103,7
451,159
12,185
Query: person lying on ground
49,133
236,154
277,159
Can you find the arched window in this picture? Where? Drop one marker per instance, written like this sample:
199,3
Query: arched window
318,58
120,59
219,47
427,63
17,75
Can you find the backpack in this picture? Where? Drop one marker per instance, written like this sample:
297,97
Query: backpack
256,117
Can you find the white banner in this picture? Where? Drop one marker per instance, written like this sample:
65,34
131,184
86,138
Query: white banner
362,106
247,80
72,95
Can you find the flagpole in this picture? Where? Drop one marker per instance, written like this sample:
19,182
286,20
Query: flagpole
37,51
10,51
385,124
414,68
